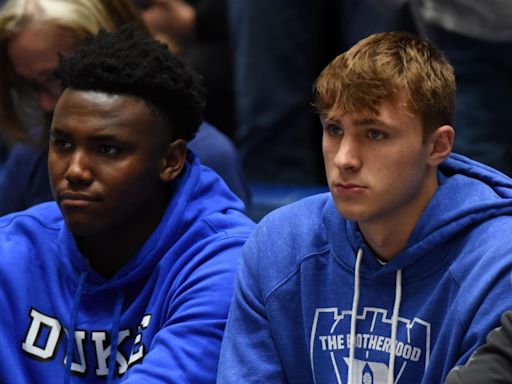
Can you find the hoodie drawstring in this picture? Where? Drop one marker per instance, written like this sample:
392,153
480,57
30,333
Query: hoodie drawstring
72,325
394,325
115,337
355,304
353,320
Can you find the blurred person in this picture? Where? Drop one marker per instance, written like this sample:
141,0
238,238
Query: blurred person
279,48
400,271
32,34
197,31
477,39
127,275
476,36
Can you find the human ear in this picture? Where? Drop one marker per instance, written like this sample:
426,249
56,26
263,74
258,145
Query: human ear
173,160
440,144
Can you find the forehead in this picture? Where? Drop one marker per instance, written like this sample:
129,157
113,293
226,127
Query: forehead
394,106
90,111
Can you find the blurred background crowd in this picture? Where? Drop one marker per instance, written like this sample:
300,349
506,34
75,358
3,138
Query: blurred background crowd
258,60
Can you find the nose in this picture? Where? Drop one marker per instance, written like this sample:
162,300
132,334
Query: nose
78,171
348,155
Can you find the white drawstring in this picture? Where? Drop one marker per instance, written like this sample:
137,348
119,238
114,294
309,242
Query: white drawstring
394,325
353,320
355,303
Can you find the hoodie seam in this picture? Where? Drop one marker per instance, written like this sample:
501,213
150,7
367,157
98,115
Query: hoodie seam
294,271
37,220
226,233
463,324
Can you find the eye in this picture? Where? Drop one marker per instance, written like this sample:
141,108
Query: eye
334,130
376,135
61,144
109,150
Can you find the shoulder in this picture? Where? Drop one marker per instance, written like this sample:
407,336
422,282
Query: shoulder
301,218
286,238
230,223
209,143
486,243
41,217
30,231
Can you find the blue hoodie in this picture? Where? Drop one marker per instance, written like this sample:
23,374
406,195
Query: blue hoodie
305,270
162,315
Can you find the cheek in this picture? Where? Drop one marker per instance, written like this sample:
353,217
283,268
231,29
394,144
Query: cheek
55,167
130,180
328,152
407,167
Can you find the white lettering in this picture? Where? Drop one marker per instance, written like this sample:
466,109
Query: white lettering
103,352
138,354
42,349
416,353
79,340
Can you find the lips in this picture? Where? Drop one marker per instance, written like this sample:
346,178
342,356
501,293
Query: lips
349,189
348,185
69,198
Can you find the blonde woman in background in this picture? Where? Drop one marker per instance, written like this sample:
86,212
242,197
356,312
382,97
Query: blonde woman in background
32,34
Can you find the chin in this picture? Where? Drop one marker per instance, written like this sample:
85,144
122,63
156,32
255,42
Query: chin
81,228
350,214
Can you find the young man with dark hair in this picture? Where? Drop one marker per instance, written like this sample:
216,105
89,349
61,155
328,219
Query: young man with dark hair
397,274
128,275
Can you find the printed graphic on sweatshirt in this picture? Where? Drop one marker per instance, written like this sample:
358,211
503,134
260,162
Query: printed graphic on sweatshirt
46,339
330,347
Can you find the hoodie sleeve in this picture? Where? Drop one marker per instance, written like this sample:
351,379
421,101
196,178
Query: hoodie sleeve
491,363
248,352
186,347
484,295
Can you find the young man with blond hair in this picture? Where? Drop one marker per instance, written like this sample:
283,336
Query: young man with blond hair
398,273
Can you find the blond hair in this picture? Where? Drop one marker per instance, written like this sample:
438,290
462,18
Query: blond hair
81,18
380,66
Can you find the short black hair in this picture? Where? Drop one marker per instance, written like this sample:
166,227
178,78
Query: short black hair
127,62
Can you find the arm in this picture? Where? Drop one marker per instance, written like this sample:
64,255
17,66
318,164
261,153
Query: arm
491,363
248,353
185,348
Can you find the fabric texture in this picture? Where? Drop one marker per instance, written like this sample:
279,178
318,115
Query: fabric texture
300,284
159,319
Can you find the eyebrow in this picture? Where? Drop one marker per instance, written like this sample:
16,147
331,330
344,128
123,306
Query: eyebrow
366,121
361,122
58,132
97,137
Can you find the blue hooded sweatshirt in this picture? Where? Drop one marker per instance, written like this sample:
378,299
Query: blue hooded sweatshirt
309,284
159,319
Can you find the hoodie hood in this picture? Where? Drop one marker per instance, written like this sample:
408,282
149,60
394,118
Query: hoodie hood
469,193
199,193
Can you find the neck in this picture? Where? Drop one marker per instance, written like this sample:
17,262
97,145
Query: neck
109,251
388,237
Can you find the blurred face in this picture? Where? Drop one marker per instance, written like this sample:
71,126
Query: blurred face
377,166
107,163
33,54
